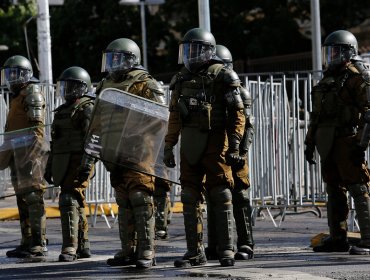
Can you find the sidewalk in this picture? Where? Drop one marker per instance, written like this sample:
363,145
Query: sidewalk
280,253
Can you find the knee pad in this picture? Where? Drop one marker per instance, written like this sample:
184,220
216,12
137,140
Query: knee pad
220,195
140,198
34,198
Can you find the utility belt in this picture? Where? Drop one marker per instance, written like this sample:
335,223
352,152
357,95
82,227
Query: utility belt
195,113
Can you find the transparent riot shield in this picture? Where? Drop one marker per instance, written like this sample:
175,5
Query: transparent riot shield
128,130
26,154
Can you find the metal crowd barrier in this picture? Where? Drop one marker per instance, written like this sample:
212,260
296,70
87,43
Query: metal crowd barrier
282,182
280,177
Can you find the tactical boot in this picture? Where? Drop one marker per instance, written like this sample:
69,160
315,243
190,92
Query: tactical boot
37,219
120,259
20,251
83,248
243,223
211,250
360,194
244,252
190,259
330,244
193,221
126,223
221,200
143,207
68,255
69,217
161,215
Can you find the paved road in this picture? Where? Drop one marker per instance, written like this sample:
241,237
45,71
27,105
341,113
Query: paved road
281,253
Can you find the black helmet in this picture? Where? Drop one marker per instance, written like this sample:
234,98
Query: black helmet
338,49
73,83
196,48
120,55
16,72
225,55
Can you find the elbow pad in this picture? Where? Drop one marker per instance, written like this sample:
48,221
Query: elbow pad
233,99
35,103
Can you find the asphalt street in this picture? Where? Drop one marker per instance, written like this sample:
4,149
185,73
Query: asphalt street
280,253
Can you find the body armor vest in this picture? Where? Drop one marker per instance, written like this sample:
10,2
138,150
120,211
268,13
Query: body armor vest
67,136
202,108
332,114
201,102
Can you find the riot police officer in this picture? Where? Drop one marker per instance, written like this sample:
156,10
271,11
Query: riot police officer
240,195
27,110
68,166
339,130
134,190
207,109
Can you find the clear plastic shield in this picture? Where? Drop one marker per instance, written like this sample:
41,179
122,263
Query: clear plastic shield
129,131
26,154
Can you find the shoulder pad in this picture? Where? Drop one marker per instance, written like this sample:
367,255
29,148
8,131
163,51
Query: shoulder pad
364,69
179,77
231,78
141,74
215,69
245,95
33,89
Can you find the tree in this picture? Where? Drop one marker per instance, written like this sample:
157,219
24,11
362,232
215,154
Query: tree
81,29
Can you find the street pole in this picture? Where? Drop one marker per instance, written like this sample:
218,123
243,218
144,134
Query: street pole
44,42
143,33
316,37
204,16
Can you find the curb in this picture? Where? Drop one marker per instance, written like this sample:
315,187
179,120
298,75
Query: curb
91,209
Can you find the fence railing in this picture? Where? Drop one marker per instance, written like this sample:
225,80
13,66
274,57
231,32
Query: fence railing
281,179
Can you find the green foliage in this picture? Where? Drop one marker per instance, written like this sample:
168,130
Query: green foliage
81,29
12,19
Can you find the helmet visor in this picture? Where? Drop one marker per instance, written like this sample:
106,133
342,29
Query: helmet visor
70,90
15,75
195,53
333,55
114,61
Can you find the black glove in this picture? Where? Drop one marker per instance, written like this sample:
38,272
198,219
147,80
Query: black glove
233,157
83,172
309,154
168,156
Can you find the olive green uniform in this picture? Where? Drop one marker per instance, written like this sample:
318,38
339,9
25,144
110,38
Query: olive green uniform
200,113
240,196
339,102
70,124
27,109
134,190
